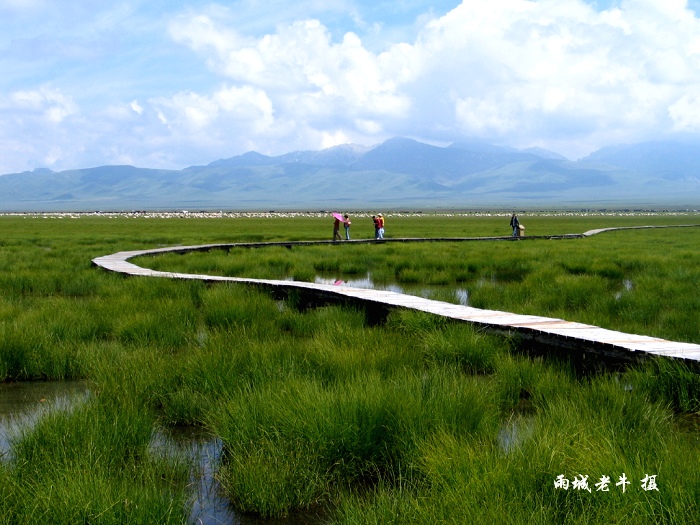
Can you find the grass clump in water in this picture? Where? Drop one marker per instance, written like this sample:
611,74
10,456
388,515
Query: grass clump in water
92,464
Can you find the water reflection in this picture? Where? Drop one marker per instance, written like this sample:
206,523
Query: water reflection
209,506
459,296
22,403
515,431
627,285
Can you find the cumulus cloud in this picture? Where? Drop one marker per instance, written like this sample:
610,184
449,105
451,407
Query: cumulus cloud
685,113
191,113
299,66
31,127
557,74
136,107
514,71
50,103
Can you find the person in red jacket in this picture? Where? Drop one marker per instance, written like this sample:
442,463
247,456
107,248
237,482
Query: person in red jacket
380,220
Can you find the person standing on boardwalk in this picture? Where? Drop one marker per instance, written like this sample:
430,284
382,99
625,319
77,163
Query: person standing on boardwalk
336,230
375,220
380,220
515,225
347,224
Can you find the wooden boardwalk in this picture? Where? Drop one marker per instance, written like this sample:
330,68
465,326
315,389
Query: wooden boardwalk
549,331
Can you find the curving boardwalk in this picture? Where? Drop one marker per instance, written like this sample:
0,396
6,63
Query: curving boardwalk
549,331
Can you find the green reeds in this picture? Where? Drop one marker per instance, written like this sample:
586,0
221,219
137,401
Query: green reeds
595,430
317,438
91,463
639,281
410,420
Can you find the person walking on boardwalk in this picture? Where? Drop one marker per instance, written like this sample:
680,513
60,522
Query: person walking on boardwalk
515,225
380,220
347,224
336,230
375,220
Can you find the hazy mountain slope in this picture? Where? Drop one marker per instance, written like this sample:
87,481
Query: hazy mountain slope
398,174
665,160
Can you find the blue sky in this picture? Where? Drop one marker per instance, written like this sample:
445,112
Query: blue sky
169,84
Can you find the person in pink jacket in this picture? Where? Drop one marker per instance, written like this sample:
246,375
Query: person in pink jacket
347,224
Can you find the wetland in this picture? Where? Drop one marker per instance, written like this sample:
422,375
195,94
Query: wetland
313,411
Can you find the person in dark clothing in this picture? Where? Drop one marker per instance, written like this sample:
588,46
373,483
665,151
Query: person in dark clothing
515,225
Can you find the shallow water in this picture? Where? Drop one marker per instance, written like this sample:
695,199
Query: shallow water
22,403
459,295
209,507
515,431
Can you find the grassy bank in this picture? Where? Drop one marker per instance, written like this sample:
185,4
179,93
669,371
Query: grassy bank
413,421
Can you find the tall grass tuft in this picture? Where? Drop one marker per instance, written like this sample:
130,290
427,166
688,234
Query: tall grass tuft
91,464
357,432
670,382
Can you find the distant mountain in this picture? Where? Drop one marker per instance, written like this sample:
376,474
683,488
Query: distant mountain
545,154
252,158
337,156
667,160
400,173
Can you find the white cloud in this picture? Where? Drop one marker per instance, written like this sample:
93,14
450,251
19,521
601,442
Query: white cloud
685,113
21,5
192,113
478,115
50,103
330,139
552,73
508,69
299,68
136,107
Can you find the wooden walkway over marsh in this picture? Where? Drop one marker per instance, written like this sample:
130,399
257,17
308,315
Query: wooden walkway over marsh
543,330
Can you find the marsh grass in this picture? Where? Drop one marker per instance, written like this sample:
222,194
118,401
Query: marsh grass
90,463
321,436
638,281
595,429
401,422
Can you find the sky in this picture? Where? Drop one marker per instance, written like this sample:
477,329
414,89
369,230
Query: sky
175,83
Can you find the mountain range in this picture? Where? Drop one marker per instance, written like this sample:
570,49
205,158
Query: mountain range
399,174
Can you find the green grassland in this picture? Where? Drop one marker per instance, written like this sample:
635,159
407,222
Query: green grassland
416,420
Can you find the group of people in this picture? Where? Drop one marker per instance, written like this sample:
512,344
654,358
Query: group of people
378,226
345,220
